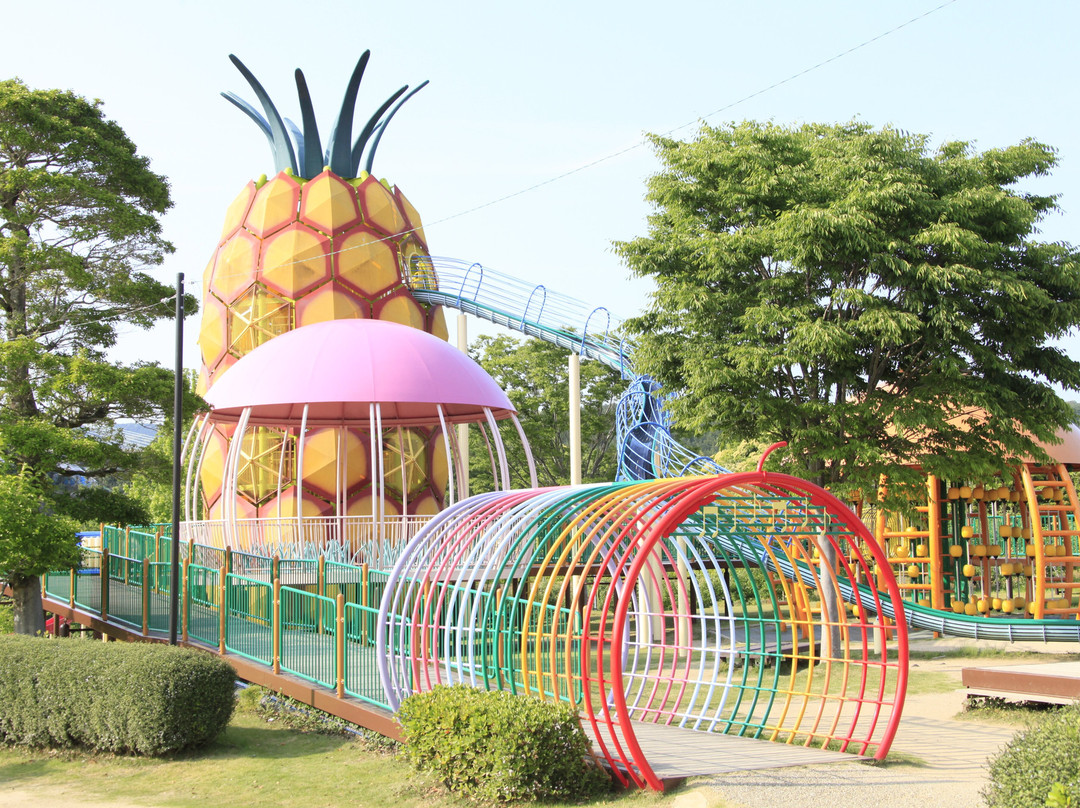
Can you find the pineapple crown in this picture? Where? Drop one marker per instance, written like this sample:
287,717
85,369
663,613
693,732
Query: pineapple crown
342,154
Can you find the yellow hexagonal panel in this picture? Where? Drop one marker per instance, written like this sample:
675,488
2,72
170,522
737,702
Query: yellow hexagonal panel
208,275
213,331
365,263
275,206
439,475
237,211
411,215
401,309
329,204
438,324
295,260
266,463
321,461
243,509
363,505
257,317
234,266
215,373
285,505
329,302
380,207
203,384
408,448
427,505
212,469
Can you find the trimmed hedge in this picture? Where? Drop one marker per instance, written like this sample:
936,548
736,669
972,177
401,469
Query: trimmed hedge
111,697
496,746
1047,755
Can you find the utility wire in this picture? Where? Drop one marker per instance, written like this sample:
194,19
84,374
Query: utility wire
640,143
725,108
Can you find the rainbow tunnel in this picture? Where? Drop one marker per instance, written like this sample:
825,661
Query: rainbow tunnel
728,604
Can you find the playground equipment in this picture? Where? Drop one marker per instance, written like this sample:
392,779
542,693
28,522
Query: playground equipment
348,452
322,240
324,538
1011,546
645,604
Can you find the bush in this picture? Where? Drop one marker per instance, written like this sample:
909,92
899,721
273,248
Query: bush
129,698
1025,772
495,746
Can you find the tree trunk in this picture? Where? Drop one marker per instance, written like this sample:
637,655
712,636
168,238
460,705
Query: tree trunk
29,616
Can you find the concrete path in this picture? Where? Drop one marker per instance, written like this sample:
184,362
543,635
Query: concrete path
939,760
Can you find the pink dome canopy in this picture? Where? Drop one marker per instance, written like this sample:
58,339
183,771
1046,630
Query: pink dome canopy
339,367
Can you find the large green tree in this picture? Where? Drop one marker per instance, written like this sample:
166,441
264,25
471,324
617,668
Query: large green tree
870,300
79,228
33,540
535,375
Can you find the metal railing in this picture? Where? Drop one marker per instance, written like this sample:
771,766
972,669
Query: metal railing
319,626
344,539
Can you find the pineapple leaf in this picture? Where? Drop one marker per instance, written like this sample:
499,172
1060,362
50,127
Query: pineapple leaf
386,122
252,113
339,150
298,138
279,138
365,133
311,150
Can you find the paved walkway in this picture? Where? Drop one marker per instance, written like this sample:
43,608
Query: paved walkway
938,760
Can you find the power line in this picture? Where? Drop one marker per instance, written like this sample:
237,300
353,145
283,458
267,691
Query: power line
724,108
640,143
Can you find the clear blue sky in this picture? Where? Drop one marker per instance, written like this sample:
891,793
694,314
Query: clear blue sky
523,93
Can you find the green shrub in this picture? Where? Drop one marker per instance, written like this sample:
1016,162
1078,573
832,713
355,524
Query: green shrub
1026,770
495,746
116,697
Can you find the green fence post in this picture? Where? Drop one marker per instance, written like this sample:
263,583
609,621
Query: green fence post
363,603
320,590
275,624
222,622
340,643
145,596
104,572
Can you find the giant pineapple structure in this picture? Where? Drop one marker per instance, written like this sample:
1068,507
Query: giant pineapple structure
321,240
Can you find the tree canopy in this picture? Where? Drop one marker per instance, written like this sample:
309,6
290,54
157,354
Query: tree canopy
535,375
873,302
79,229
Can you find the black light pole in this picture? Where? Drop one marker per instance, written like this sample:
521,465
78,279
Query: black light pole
178,405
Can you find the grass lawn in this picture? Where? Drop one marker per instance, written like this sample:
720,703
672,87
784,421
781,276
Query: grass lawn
254,763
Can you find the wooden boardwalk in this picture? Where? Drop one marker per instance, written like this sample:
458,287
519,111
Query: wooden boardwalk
676,752
673,752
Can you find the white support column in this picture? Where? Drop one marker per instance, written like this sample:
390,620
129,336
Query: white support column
463,429
300,478
575,419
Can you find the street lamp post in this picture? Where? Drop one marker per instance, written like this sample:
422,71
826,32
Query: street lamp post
178,405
